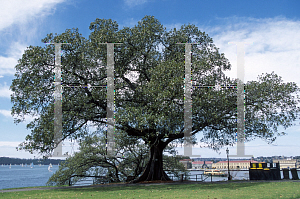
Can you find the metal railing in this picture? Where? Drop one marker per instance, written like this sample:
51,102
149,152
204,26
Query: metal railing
104,179
202,177
95,180
207,176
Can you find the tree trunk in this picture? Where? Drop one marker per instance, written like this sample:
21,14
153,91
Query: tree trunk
154,168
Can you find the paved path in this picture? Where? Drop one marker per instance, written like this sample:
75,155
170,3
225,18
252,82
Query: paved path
144,184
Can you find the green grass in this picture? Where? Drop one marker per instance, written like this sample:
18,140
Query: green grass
228,190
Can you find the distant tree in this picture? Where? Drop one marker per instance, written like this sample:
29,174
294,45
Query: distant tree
92,160
149,107
127,165
7,160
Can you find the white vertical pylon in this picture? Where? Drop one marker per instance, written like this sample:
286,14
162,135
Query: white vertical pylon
110,143
188,101
58,102
240,134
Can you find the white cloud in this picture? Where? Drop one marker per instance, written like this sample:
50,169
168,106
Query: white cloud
132,3
5,92
275,45
8,149
252,148
8,63
20,22
131,22
6,113
9,144
28,118
19,11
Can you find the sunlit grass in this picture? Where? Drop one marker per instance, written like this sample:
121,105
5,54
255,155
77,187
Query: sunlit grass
209,190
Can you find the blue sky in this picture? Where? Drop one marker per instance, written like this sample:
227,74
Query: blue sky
272,26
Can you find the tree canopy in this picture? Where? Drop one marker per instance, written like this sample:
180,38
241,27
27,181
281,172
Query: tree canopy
149,106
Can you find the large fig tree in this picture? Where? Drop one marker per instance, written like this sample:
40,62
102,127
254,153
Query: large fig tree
149,90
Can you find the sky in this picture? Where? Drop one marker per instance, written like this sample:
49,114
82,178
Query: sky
271,26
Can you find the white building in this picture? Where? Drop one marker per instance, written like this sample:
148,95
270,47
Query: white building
235,164
287,163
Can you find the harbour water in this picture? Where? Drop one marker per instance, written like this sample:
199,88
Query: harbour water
18,176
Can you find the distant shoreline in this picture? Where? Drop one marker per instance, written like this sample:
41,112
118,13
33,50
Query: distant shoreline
19,161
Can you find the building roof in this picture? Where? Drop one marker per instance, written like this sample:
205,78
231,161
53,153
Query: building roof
239,161
202,162
283,160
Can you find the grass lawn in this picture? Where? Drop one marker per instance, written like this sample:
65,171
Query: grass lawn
211,190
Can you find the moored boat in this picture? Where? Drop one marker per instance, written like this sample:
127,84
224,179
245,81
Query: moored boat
215,172
49,167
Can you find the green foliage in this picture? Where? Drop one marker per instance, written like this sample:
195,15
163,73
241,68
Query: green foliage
270,103
174,167
130,158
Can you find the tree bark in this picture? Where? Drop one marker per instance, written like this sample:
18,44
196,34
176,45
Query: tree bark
154,168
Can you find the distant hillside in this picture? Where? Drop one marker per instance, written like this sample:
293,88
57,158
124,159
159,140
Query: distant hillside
18,161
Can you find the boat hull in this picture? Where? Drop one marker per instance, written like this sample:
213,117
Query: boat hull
215,173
